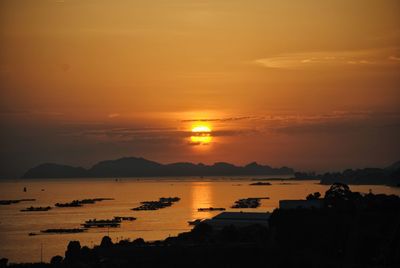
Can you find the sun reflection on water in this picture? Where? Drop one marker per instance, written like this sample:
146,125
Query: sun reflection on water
202,197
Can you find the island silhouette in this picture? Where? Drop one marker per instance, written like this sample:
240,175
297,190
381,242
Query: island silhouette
141,167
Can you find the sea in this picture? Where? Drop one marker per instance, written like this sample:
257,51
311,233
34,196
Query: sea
15,226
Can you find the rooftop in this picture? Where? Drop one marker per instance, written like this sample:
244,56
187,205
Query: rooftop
252,216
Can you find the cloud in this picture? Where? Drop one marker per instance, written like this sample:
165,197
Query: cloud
217,119
395,58
288,123
329,58
113,115
340,122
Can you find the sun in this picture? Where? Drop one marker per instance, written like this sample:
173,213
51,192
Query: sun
201,128
201,135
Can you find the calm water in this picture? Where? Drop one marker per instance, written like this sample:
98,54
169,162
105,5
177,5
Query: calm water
17,246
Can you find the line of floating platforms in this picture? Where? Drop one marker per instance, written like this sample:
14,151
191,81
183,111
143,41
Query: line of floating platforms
210,209
79,203
163,202
15,201
34,209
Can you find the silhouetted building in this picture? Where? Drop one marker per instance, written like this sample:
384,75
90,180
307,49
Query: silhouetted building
238,219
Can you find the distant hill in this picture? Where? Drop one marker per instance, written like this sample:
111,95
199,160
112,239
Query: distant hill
387,176
140,167
50,170
394,166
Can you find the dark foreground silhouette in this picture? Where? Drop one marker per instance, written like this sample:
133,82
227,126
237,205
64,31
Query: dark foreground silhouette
351,230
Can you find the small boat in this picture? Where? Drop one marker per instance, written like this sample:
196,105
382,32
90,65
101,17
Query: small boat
32,234
194,222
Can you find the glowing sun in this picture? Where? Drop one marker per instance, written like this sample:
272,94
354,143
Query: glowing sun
201,135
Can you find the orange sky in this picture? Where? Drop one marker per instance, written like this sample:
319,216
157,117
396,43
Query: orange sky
310,84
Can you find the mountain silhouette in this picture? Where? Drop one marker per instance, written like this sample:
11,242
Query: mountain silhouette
366,176
394,166
50,170
140,167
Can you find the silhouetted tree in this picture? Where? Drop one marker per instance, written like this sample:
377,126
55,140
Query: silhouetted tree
106,242
338,196
313,196
139,242
3,262
73,251
56,260
338,190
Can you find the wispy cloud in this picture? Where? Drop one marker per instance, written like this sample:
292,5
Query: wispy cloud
335,122
113,115
329,58
288,123
218,119
395,58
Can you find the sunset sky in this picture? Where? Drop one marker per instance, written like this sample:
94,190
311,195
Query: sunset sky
311,84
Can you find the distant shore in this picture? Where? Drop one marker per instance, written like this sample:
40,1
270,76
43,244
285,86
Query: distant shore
137,167
140,167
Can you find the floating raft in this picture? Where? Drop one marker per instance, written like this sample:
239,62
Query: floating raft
34,209
163,202
101,223
210,209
